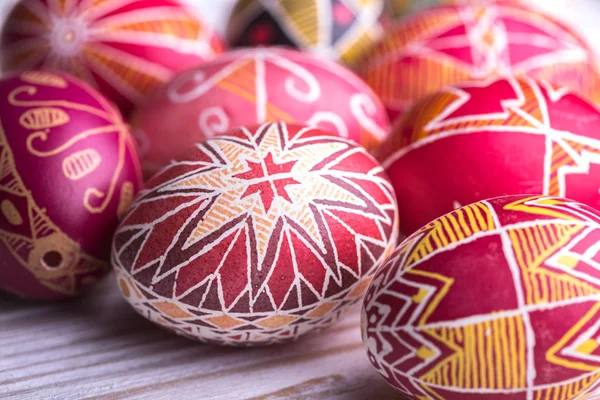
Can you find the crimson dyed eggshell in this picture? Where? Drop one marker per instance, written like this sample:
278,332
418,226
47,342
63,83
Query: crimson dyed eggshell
255,86
480,140
343,30
69,170
447,44
496,300
258,236
125,48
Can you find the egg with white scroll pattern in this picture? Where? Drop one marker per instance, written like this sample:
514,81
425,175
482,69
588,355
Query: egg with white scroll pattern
498,299
258,236
252,86
69,170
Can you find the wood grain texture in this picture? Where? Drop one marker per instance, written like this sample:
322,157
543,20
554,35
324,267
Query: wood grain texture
97,347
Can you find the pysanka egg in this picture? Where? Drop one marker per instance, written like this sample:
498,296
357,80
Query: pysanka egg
342,30
257,236
253,86
480,140
497,300
125,48
448,44
400,8
69,171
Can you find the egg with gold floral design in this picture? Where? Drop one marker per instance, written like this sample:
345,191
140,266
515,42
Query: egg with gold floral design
68,169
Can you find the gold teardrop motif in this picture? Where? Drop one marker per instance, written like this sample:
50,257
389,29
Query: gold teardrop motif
81,164
125,200
44,78
10,212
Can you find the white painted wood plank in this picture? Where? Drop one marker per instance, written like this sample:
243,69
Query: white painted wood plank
99,347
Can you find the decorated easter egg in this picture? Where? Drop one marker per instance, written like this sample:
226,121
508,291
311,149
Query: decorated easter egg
69,171
253,86
496,300
447,44
215,14
125,48
480,140
257,236
400,8
339,29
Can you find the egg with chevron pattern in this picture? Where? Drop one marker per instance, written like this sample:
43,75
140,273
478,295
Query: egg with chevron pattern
498,299
476,40
124,48
257,236
343,30
485,139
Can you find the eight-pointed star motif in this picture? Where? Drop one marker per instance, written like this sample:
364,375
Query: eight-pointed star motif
290,179
269,179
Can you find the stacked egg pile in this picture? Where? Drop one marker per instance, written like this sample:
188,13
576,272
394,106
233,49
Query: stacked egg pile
443,159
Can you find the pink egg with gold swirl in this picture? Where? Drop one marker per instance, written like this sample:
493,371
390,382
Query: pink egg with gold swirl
68,170
253,86
125,48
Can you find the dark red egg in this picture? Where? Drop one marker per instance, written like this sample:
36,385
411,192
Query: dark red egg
496,300
257,236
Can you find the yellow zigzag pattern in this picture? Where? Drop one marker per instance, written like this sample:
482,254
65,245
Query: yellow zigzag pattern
568,391
532,246
304,17
540,206
452,228
489,354
554,355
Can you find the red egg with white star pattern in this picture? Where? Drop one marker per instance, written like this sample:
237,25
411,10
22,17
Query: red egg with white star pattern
69,171
496,300
258,236
486,139
447,44
125,48
254,86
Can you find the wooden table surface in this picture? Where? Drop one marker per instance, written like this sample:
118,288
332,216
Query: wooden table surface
98,348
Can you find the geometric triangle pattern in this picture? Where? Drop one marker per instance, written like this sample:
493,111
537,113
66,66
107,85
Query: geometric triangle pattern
253,86
342,30
257,237
397,9
502,136
511,310
124,48
449,43
68,170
